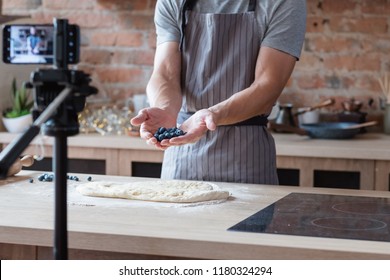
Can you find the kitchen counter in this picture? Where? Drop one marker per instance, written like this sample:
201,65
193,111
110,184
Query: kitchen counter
368,146
117,228
373,146
365,158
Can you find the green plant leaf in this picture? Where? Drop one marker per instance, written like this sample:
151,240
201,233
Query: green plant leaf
21,103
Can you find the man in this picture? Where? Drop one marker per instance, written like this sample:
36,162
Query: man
34,42
219,68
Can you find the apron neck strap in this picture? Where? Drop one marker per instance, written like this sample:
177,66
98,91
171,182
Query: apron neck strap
252,6
186,6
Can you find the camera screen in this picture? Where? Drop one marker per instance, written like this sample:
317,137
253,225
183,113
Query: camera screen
28,44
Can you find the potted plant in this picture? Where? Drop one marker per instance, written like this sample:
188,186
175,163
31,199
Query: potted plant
18,117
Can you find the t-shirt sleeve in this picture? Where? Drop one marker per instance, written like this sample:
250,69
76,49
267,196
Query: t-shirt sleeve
166,20
287,27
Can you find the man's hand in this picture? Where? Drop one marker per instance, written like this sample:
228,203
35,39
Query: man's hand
149,120
194,127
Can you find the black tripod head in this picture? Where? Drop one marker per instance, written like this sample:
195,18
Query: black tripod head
48,83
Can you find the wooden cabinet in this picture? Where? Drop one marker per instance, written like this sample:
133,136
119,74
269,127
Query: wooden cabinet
359,163
329,172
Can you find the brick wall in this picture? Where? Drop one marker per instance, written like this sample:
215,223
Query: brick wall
347,45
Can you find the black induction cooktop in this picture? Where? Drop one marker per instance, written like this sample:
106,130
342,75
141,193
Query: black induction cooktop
319,215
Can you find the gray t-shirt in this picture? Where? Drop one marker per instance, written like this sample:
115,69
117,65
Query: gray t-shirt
282,22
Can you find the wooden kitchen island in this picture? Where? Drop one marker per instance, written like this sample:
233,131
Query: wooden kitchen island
106,228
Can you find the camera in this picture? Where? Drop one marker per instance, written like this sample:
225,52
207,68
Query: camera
34,44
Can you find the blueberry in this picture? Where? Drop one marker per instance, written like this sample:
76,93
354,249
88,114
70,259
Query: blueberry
89,178
161,130
31,180
160,137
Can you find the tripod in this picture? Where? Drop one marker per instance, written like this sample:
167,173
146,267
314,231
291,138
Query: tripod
59,96
59,120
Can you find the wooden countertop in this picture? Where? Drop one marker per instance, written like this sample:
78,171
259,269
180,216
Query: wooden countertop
164,229
370,146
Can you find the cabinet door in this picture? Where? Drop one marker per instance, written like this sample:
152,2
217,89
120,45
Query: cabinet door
382,175
331,172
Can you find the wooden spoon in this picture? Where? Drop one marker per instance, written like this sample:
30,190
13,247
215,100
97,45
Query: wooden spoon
15,168
360,125
325,103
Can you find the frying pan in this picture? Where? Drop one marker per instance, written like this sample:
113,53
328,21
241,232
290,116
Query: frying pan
327,130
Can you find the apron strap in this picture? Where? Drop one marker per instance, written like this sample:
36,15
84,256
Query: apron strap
187,5
252,6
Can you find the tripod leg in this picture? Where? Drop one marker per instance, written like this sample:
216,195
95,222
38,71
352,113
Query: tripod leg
60,168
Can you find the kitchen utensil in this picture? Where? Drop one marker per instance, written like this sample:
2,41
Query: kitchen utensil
352,105
15,168
336,130
326,130
285,115
308,116
325,103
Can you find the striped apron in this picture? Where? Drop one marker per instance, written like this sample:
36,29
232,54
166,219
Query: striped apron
219,54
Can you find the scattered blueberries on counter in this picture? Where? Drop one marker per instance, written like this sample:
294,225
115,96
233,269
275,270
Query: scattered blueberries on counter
168,133
46,177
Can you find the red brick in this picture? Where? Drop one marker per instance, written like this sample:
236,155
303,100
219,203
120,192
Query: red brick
367,82
20,4
120,75
129,39
137,57
135,5
311,81
104,39
381,7
353,62
95,56
128,21
152,39
309,61
92,20
333,43
357,24
315,24
314,7
337,7
69,4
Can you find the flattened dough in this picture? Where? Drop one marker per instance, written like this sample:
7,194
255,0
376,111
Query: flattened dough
158,190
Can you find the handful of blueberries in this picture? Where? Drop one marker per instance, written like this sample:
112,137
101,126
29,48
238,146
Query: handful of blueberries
168,133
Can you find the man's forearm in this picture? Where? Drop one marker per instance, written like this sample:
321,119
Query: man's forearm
163,89
273,70
164,94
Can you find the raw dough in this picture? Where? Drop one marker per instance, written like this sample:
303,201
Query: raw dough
158,190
